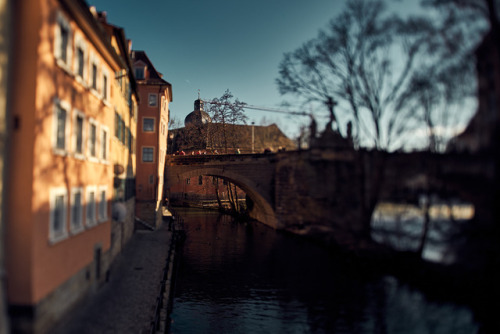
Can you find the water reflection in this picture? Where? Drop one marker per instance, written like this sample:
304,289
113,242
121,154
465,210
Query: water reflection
246,278
401,225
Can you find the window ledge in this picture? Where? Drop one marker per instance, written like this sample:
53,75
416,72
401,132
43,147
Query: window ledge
56,239
77,230
64,66
60,152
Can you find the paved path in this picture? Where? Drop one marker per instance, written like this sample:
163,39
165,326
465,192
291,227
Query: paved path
126,303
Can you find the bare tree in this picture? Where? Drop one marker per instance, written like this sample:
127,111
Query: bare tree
225,114
366,61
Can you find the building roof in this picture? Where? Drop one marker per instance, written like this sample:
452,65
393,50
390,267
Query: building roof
86,18
123,45
264,136
154,77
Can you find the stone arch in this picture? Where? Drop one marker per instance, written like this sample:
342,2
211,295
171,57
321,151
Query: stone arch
262,209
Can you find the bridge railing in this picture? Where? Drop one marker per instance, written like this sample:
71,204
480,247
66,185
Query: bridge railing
204,158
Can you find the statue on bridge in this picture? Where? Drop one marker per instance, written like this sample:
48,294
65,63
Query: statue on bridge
331,136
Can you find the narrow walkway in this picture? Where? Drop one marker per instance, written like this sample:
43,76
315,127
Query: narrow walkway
126,303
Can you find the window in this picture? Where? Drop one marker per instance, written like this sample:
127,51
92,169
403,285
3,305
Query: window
147,154
148,124
64,34
118,121
76,210
57,221
60,127
80,59
92,143
62,39
79,121
123,129
188,181
152,100
151,179
93,82
103,204
80,62
104,143
130,140
139,73
91,206
200,180
104,86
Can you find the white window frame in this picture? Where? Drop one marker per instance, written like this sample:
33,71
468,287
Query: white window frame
62,21
104,144
152,96
90,220
105,85
81,44
76,222
66,106
54,235
79,155
102,218
144,122
94,60
94,157
142,154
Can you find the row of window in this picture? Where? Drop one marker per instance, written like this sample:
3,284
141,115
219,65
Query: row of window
88,137
76,59
123,133
93,208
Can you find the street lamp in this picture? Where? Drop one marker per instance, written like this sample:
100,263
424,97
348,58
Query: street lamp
253,138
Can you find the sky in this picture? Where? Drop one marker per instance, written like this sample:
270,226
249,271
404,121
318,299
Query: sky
214,45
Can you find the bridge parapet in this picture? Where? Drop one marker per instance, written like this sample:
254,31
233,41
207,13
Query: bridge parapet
216,158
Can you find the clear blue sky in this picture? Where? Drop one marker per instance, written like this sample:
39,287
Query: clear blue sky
214,45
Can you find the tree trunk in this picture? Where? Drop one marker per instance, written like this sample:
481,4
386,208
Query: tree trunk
425,228
217,192
231,197
236,199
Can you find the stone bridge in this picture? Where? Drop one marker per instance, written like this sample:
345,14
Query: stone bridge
332,193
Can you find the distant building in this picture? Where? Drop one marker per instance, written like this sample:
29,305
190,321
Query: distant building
197,137
63,99
481,131
200,134
155,95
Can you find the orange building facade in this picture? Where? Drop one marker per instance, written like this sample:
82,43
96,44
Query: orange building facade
63,97
155,94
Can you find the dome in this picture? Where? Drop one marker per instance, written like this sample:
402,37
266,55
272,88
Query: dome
197,117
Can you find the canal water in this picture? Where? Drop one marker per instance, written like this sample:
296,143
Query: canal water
236,277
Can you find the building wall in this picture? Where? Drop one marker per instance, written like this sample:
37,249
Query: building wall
5,60
42,263
149,181
147,172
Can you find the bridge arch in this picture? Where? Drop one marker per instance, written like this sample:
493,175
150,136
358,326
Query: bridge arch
262,209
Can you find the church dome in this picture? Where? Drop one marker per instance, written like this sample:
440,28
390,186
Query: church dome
198,116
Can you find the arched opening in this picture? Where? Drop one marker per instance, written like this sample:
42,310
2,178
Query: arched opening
258,204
